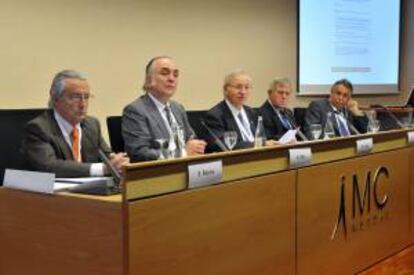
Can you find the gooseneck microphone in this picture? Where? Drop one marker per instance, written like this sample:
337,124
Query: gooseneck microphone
114,172
293,123
217,141
392,116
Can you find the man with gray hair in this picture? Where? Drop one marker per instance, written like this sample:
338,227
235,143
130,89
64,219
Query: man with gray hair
277,118
232,115
155,118
64,140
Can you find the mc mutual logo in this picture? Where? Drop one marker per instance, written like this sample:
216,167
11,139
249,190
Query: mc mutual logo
368,202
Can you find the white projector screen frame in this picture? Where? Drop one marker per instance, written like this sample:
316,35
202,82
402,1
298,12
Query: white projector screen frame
354,39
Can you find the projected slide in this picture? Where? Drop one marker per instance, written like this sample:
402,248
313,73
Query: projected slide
354,39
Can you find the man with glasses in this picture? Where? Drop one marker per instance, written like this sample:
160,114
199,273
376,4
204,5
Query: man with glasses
346,117
231,114
64,140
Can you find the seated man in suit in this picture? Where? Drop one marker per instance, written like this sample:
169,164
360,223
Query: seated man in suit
232,114
154,116
346,117
277,118
64,140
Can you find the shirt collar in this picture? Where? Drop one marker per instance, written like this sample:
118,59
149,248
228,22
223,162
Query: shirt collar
160,106
233,109
64,125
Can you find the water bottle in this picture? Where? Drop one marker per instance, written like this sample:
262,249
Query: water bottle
259,136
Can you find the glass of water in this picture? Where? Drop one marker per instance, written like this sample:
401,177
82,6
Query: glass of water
316,131
374,126
162,145
230,139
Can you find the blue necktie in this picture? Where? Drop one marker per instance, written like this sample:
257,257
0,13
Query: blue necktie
343,129
285,120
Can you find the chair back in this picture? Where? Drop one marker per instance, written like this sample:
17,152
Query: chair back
114,124
195,117
12,123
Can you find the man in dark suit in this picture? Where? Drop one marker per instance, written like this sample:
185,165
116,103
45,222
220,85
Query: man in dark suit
346,117
232,114
154,116
277,118
64,140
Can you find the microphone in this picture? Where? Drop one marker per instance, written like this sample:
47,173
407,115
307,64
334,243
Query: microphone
293,123
392,116
349,123
217,141
114,172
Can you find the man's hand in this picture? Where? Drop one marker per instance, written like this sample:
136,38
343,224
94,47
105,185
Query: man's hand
272,142
195,147
353,107
117,161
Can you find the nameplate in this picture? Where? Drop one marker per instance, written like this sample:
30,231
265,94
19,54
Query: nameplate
29,181
364,146
300,157
410,136
203,174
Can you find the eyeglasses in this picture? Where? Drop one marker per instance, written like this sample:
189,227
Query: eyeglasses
240,87
78,97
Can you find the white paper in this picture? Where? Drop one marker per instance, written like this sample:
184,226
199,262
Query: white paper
410,136
29,180
82,180
205,173
289,136
300,157
364,146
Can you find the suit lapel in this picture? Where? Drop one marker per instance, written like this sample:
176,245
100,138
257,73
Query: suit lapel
58,137
230,121
156,116
88,149
251,116
333,119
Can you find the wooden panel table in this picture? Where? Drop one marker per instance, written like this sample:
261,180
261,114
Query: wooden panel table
262,218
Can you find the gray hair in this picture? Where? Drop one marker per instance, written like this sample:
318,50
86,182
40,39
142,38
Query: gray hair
278,81
230,76
58,83
149,71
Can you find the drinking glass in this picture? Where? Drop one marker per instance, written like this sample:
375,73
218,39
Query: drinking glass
406,119
316,130
230,139
163,147
374,126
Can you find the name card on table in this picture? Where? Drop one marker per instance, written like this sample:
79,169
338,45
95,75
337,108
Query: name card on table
364,146
410,136
29,181
300,157
203,174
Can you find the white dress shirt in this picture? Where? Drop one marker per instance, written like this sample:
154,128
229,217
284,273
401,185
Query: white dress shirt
97,169
244,126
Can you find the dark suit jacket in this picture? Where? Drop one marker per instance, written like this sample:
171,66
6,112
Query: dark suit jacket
45,149
220,119
316,114
274,128
142,124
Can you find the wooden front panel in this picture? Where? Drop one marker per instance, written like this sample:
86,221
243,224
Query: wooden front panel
54,234
244,227
326,198
412,192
